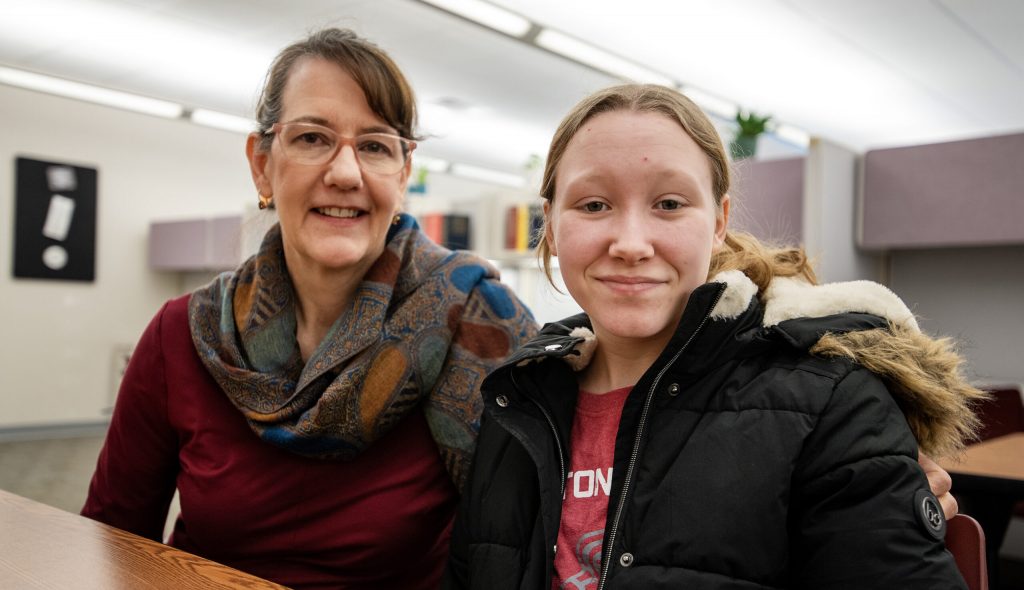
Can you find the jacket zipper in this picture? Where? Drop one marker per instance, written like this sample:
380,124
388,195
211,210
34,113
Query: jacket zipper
610,541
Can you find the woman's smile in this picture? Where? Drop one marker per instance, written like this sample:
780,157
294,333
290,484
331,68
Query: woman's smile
339,212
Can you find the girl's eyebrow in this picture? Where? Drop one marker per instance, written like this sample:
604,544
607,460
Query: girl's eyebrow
690,181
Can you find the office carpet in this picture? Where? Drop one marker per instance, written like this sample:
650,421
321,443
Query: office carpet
55,472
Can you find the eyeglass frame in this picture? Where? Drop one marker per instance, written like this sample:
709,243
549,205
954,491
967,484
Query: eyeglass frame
343,140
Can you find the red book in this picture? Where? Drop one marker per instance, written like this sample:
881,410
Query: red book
511,227
433,226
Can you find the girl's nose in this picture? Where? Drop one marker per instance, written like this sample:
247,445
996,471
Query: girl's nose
631,239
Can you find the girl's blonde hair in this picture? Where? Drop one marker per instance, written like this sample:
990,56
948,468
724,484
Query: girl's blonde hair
741,251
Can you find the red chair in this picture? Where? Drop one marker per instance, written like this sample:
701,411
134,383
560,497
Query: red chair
1003,414
966,541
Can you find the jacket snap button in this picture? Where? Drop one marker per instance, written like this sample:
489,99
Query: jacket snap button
502,401
626,560
673,389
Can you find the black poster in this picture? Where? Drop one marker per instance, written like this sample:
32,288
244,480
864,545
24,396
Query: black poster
54,221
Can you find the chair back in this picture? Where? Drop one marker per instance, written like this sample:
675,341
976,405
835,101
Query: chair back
1003,414
966,541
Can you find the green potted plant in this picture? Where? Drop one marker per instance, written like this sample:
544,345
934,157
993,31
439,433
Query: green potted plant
419,185
749,126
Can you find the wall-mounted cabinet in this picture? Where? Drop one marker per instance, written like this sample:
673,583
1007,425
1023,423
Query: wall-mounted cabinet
192,245
960,193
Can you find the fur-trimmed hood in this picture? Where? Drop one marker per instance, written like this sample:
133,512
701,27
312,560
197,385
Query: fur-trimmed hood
860,320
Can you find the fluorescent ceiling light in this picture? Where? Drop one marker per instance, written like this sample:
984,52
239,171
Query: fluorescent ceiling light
488,175
223,121
486,14
502,143
104,96
712,104
792,135
598,58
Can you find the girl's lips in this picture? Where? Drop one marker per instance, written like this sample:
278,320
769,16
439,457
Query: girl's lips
629,279
629,284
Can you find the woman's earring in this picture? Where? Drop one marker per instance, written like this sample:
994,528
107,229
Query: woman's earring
396,219
266,202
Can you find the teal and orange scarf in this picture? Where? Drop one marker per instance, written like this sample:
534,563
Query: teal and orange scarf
425,327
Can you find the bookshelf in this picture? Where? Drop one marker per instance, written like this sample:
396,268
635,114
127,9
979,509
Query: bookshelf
501,224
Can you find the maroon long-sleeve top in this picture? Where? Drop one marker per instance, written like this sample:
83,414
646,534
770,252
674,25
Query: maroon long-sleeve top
379,521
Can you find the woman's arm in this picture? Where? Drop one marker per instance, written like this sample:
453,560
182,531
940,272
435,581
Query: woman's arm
456,573
862,512
137,467
493,324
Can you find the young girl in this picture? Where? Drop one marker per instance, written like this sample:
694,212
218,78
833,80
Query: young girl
714,419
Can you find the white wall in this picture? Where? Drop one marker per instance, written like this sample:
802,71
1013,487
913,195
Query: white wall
59,337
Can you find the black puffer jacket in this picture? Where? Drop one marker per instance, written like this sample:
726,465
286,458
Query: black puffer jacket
742,461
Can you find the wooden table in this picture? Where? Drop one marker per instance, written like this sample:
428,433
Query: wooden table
995,465
988,480
42,547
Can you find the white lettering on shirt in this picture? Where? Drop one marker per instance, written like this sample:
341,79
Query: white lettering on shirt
587,483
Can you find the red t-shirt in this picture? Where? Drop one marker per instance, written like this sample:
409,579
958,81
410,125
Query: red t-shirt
585,505
381,520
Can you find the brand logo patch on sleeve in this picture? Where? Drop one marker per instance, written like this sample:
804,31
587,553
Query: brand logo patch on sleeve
929,514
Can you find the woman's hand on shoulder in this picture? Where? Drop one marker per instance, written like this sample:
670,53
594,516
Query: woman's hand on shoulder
940,483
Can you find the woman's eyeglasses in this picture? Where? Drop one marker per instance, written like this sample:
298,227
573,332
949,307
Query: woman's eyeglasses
308,143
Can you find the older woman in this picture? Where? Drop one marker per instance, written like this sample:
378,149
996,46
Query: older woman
317,407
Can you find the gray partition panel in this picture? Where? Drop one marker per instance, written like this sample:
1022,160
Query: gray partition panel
767,199
961,193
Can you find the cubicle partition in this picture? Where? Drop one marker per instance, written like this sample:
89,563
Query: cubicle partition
953,194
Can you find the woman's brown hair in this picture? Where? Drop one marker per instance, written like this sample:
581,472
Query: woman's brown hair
387,91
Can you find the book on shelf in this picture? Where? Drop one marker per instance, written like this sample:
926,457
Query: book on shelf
450,230
536,225
433,226
522,228
523,225
511,225
456,232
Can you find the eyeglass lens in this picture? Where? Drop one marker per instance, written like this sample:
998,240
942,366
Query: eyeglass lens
313,144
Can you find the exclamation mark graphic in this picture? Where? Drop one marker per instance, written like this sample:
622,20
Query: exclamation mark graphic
58,222
58,216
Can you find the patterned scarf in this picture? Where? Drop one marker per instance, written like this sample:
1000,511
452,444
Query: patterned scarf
425,325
